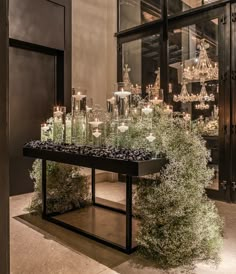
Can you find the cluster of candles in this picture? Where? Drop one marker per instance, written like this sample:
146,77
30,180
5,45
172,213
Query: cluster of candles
83,122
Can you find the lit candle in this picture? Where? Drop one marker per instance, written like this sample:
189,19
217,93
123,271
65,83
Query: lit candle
122,94
44,127
151,138
147,110
168,109
187,117
96,133
123,128
57,112
88,109
78,96
156,101
95,123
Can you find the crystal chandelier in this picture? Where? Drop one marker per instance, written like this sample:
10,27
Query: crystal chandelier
203,96
204,70
184,95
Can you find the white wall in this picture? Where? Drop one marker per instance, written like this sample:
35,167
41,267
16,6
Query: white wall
94,47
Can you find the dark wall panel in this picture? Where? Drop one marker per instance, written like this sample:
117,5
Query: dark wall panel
37,21
32,96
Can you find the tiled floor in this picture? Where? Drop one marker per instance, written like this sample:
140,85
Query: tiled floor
41,247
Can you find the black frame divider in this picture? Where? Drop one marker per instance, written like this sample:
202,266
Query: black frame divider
225,11
4,142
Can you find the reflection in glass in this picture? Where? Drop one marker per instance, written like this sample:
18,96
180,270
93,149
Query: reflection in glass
141,64
194,80
176,6
138,12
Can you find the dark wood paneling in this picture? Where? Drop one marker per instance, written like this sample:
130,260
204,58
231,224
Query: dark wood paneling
32,96
4,159
40,22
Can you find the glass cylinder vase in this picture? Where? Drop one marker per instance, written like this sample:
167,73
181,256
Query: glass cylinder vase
122,99
59,118
79,96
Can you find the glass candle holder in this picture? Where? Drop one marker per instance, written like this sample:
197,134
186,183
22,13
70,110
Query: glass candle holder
79,96
147,111
157,99
59,118
78,130
111,102
68,129
122,98
97,137
44,132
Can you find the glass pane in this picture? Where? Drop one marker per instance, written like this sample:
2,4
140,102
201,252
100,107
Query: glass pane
194,83
176,6
138,12
141,60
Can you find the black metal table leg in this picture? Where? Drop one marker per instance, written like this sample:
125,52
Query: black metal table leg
93,186
44,188
128,213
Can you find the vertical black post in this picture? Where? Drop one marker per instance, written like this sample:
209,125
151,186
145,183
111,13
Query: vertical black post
44,188
93,186
128,213
60,78
164,59
4,155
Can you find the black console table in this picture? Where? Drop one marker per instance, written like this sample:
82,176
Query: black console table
129,168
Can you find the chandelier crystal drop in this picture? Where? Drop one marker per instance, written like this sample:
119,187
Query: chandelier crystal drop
202,106
204,70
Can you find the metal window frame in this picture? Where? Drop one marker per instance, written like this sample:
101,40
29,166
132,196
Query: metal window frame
162,26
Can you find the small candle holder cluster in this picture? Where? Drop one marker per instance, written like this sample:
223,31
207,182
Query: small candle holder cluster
87,125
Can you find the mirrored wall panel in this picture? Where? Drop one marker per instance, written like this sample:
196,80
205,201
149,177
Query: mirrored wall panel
141,62
176,6
194,81
138,12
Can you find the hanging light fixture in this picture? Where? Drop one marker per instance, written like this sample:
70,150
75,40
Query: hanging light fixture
184,95
204,70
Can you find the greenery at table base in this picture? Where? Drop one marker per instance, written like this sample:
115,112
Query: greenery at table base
66,188
179,224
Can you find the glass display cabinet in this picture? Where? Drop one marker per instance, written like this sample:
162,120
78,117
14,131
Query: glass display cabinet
186,48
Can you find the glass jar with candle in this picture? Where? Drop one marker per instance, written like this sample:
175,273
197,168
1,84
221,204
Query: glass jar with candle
68,128
123,134
79,96
44,132
147,111
97,137
78,132
96,122
59,118
122,98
